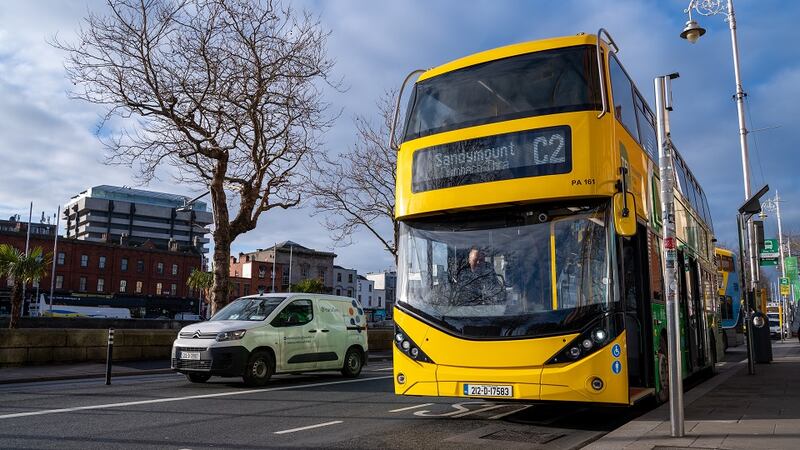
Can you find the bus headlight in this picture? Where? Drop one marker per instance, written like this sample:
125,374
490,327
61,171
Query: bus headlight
596,336
409,347
599,335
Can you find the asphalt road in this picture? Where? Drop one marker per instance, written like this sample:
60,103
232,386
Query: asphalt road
322,410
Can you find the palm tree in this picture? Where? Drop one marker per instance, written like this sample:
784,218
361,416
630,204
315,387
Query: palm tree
201,281
23,269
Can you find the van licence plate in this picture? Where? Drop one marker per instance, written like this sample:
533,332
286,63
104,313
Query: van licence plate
488,390
190,355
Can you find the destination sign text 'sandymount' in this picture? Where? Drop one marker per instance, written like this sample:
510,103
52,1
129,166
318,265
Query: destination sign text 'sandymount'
521,154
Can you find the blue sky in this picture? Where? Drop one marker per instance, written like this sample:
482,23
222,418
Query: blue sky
49,151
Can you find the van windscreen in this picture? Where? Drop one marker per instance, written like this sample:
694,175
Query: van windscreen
253,309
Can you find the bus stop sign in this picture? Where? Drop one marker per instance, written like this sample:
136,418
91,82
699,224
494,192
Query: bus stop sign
770,253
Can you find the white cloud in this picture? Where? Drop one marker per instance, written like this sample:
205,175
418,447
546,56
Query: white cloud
49,152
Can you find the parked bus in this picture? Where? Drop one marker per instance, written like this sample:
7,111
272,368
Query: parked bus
529,262
730,297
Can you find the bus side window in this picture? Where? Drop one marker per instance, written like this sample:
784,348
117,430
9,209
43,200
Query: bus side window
623,98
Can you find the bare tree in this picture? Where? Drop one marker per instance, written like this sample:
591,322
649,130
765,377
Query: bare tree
226,92
355,190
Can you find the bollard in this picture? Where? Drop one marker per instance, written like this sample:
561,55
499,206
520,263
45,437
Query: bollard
108,355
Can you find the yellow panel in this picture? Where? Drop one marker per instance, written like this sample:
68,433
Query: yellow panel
420,377
595,167
511,50
519,363
505,354
570,382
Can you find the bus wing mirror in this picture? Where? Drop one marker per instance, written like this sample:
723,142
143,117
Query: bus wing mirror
625,213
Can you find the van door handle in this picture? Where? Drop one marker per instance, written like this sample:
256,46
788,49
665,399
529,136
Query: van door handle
312,331
324,331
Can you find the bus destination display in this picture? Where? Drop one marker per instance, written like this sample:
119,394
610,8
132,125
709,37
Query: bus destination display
502,157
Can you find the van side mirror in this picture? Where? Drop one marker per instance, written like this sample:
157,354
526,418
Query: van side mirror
625,213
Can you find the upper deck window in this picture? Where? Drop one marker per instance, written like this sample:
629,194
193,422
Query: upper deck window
533,84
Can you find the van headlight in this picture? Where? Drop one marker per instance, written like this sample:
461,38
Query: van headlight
230,335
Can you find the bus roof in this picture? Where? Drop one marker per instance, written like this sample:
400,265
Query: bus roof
510,50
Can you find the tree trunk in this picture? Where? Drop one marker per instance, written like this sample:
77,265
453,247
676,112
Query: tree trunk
222,255
16,305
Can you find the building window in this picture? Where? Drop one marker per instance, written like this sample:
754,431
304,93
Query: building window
285,281
304,270
174,269
82,284
123,285
246,289
349,277
60,258
173,289
101,262
338,291
140,266
101,284
123,264
84,260
321,273
359,298
369,288
59,281
138,287
158,288
160,268
339,278
349,292
262,272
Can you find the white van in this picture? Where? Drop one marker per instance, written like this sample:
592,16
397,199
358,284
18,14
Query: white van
258,335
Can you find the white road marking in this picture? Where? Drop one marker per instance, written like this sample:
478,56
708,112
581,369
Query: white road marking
501,415
385,368
488,408
292,430
410,407
190,397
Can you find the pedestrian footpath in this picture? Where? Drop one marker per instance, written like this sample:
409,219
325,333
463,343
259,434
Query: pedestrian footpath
733,410
56,372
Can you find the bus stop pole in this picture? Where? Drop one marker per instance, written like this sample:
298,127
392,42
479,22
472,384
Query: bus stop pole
663,96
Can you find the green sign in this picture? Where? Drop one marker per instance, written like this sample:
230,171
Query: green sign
791,273
770,254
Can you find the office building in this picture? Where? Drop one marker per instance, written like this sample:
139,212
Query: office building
133,217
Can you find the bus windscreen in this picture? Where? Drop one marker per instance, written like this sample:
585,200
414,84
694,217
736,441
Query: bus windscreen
533,84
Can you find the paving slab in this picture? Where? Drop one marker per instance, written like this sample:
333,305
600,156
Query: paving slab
732,410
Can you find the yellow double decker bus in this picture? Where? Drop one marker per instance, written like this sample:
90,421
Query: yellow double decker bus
529,262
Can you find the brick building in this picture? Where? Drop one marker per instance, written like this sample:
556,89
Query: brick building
249,276
149,280
296,263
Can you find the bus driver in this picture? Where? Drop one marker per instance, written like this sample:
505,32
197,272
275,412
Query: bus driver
477,283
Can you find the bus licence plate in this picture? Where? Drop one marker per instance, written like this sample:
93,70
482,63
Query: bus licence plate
190,355
488,390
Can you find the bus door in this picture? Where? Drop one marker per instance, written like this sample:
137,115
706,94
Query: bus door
698,317
687,341
638,311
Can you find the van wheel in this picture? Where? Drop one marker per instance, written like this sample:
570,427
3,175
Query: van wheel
198,377
259,369
353,362
663,373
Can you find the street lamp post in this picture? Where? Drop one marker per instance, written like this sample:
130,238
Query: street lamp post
692,32
775,205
